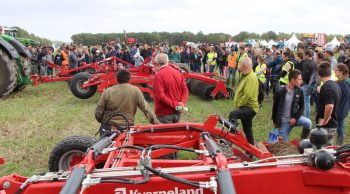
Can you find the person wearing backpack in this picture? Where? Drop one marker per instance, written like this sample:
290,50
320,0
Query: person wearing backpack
288,106
309,72
276,68
286,68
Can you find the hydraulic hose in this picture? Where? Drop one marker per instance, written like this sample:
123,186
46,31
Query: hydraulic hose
226,183
168,176
74,181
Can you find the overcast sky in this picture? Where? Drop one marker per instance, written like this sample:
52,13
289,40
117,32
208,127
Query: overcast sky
60,19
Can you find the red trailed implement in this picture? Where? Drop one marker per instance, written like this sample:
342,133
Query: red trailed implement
208,86
134,162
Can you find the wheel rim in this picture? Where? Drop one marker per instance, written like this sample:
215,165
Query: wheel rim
79,88
70,159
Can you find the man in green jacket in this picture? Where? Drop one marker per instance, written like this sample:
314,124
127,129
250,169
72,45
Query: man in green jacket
246,98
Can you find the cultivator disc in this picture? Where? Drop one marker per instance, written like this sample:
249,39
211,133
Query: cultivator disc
205,90
283,149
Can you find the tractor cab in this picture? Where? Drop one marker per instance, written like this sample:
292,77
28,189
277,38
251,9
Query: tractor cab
8,31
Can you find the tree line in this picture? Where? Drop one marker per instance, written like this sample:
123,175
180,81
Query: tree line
176,38
172,38
22,33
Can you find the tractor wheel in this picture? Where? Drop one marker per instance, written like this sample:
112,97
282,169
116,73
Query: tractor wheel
69,152
283,148
25,72
75,86
8,74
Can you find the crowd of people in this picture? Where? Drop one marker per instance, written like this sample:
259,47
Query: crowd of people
297,79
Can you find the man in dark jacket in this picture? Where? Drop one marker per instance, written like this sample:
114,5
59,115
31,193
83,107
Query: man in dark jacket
276,67
309,78
74,58
185,57
288,105
146,52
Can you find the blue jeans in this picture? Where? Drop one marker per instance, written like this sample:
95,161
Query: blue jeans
211,68
340,129
304,88
285,128
231,71
196,67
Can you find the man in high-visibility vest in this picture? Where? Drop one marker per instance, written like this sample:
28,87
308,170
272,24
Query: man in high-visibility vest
232,66
260,69
212,56
286,68
241,55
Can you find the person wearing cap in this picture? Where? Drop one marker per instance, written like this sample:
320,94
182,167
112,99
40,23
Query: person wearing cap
123,98
98,56
232,66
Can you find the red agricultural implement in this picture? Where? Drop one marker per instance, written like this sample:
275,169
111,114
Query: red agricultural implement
205,85
134,162
107,65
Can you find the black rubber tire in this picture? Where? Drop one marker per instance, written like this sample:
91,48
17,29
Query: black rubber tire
26,72
8,74
72,143
231,93
283,148
77,91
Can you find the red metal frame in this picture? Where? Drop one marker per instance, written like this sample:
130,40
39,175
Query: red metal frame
270,179
64,74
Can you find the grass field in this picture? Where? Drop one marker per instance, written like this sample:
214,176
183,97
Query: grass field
34,120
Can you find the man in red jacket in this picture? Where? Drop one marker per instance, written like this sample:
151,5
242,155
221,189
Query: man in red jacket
170,91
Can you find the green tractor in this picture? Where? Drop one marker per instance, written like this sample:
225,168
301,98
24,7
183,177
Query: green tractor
15,64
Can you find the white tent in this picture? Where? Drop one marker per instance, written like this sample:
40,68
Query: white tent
270,43
263,43
292,43
332,44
